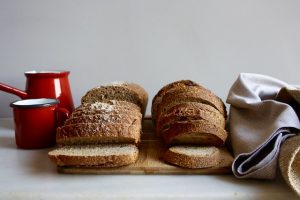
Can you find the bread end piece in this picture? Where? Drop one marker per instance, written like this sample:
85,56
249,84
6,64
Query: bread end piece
193,156
105,155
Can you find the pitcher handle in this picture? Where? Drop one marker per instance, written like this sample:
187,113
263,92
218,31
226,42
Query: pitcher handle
62,115
12,90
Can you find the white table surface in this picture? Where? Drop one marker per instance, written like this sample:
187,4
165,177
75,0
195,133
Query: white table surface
29,174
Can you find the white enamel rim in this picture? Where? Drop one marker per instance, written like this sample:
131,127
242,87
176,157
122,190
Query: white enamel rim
34,103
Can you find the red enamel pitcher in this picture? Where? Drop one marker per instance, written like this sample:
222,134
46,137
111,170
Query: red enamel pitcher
45,84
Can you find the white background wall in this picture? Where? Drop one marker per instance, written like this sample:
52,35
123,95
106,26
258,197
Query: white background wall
149,42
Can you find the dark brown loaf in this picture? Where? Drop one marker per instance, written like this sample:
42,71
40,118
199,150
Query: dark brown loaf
95,133
189,111
199,132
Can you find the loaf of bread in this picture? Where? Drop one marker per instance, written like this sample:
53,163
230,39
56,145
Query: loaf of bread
105,129
104,155
186,113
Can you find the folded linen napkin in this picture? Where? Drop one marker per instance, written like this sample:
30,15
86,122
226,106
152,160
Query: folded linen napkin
263,114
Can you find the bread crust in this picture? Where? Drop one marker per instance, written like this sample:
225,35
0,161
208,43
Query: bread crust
192,94
189,111
106,118
194,132
181,84
130,92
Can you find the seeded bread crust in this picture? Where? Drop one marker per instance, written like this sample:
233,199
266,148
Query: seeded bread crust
194,132
95,133
118,91
106,118
61,157
189,111
193,94
182,84
109,105
193,156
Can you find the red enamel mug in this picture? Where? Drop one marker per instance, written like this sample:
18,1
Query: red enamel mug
36,121
45,84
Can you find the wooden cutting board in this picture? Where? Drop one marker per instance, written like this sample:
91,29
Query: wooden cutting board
150,162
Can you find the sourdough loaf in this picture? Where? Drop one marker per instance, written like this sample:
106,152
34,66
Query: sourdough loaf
104,155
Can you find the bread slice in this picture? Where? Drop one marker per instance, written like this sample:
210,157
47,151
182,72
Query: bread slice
181,84
124,91
192,94
193,156
106,118
96,133
104,155
189,111
194,132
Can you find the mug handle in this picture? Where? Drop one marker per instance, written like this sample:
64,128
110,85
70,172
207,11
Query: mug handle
62,115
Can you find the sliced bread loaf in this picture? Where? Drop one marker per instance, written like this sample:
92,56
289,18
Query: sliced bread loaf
95,133
123,91
189,111
104,155
194,132
193,156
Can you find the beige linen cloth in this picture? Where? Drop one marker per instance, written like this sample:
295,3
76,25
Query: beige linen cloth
262,116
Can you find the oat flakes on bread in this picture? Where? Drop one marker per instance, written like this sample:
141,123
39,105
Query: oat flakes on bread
123,91
106,118
104,155
112,107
